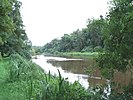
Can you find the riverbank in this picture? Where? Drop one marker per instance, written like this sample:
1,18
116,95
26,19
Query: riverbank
75,54
34,84
20,87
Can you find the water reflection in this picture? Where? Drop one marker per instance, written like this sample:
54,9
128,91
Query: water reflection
73,66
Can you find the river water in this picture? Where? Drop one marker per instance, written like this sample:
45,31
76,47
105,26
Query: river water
75,70
72,69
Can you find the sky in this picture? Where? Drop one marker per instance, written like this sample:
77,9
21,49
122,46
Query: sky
46,20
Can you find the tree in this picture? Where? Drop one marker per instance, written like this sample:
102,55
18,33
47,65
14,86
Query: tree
6,24
12,34
95,31
80,40
118,38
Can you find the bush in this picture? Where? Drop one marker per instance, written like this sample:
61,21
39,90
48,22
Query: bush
98,49
87,49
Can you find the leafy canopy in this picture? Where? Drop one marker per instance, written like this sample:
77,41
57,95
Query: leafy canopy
12,34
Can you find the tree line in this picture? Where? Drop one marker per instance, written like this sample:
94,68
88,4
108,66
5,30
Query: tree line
85,40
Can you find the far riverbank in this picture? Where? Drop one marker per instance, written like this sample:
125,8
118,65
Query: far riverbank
83,55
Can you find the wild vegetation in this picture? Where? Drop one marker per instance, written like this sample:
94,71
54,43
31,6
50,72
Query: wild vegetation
110,36
85,55
12,34
118,54
21,79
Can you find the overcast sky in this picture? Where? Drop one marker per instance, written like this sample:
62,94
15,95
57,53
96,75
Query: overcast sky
45,20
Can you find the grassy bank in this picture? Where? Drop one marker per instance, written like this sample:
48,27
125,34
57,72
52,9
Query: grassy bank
16,85
79,54
21,79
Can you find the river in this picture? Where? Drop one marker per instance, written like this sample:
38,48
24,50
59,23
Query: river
72,69
76,70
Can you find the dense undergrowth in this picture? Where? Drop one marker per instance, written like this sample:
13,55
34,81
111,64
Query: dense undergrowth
21,79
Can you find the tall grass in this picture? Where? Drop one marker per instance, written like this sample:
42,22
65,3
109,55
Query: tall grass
24,80
58,88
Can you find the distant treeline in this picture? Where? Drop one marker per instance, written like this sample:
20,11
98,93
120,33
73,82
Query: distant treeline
88,39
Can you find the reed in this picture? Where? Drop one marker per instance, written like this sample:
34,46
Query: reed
24,80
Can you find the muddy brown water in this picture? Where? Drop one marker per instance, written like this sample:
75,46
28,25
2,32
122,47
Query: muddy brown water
78,70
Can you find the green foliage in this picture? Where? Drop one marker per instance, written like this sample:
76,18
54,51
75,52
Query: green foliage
6,24
12,34
36,50
60,89
4,63
95,31
19,68
20,77
127,94
32,84
118,37
87,49
118,41
87,39
79,54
